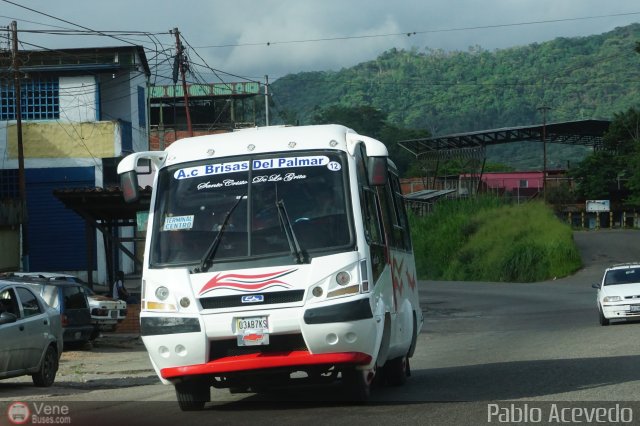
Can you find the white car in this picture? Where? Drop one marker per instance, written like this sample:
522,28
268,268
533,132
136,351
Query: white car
619,293
106,312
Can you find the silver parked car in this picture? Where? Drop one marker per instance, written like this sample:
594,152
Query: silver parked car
30,335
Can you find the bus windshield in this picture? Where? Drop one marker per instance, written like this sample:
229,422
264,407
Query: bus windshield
232,209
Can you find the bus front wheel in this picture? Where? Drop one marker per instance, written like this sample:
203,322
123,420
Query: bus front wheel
357,384
192,395
396,371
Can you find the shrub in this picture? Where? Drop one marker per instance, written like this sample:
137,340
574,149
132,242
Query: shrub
486,240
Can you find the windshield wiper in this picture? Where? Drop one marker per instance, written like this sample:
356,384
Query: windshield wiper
207,259
296,251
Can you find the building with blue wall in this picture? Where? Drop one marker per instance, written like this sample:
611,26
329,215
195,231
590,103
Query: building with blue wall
82,110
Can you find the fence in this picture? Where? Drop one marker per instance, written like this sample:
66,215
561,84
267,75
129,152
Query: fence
597,220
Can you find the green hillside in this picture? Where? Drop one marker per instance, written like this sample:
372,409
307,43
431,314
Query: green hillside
450,92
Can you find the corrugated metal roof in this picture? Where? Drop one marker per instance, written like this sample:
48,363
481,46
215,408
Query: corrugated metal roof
582,132
428,194
104,204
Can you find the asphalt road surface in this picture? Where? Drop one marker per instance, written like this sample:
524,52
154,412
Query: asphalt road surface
489,353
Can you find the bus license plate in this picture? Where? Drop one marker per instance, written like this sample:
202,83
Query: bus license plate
252,331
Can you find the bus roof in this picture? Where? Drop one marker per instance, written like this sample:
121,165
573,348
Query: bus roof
264,139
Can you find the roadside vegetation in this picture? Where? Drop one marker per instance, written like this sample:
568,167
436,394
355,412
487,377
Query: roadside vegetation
484,239
459,91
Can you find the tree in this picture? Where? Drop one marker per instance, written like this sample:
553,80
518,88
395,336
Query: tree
597,174
372,122
363,119
624,136
600,173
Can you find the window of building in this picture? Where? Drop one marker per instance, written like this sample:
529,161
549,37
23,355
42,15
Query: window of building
9,184
40,100
524,183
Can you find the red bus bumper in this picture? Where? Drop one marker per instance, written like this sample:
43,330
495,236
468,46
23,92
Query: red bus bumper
263,361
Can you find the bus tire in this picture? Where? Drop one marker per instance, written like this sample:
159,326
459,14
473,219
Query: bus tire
192,395
396,371
357,384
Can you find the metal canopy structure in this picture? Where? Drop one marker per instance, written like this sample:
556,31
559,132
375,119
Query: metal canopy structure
104,209
469,145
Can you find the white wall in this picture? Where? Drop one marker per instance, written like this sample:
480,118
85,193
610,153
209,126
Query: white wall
119,100
78,99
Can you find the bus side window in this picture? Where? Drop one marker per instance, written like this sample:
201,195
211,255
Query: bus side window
389,218
372,227
370,209
400,212
370,217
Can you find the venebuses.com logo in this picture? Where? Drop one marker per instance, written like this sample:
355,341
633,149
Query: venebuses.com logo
20,413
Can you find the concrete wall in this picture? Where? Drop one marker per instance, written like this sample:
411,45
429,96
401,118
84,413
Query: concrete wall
78,100
119,101
68,142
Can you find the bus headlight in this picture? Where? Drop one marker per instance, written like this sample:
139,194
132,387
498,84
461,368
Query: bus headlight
343,278
162,293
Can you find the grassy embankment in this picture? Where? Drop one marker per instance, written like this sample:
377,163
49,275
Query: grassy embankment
484,239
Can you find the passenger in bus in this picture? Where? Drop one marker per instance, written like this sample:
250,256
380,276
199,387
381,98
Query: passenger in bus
327,202
266,215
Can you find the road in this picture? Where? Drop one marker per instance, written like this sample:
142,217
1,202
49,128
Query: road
535,346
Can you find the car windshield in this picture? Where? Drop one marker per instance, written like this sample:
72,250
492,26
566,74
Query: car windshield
622,276
238,199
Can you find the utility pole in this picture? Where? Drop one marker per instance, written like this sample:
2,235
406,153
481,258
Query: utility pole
22,186
544,110
266,99
182,64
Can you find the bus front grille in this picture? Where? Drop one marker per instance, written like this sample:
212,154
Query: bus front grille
273,298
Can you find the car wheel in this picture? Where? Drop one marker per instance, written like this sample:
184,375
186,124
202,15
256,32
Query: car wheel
192,395
48,369
603,321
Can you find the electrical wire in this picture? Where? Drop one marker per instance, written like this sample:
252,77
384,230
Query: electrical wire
412,33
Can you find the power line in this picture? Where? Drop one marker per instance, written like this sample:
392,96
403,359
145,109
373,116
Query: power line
64,20
215,71
413,33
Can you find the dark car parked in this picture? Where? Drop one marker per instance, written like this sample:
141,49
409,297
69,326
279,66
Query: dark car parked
70,300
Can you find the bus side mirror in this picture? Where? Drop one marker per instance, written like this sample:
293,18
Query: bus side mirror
377,171
129,185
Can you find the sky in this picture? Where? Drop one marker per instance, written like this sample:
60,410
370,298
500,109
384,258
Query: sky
241,39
